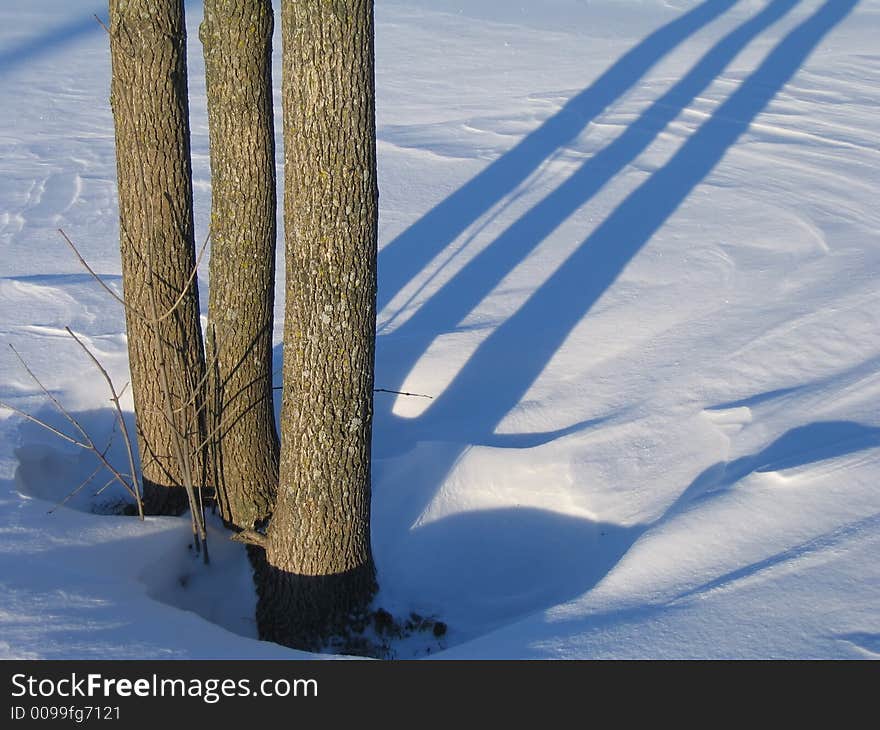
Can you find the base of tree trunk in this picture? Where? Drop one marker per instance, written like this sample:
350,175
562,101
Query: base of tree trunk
164,500
307,612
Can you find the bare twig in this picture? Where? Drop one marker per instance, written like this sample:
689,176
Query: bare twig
400,392
114,396
135,312
51,397
86,443
90,270
189,281
153,318
45,425
216,429
105,486
102,24
379,390
181,452
195,391
77,490
87,480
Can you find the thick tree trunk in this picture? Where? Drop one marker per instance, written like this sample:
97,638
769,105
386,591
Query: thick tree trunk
237,40
151,115
319,570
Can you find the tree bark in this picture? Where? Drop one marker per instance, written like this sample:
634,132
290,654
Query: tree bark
319,575
237,40
151,116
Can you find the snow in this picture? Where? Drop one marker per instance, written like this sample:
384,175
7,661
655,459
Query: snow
629,248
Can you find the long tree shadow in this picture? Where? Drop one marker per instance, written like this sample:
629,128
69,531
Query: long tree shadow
412,250
509,360
448,306
58,37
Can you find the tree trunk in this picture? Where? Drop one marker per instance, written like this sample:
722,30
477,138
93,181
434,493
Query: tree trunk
319,572
151,115
237,40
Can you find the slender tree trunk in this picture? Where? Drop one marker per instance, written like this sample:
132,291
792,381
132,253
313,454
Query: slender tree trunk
237,40
151,115
319,571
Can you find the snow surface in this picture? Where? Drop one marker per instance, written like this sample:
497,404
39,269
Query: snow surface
630,248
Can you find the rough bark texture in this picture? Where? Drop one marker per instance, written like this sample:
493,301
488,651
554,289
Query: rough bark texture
237,40
319,569
151,115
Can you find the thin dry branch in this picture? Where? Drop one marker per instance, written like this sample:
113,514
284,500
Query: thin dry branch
114,396
88,268
181,453
51,397
189,281
109,482
76,491
195,391
102,23
135,312
88,480
400,392
87,442
380,390
34,419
